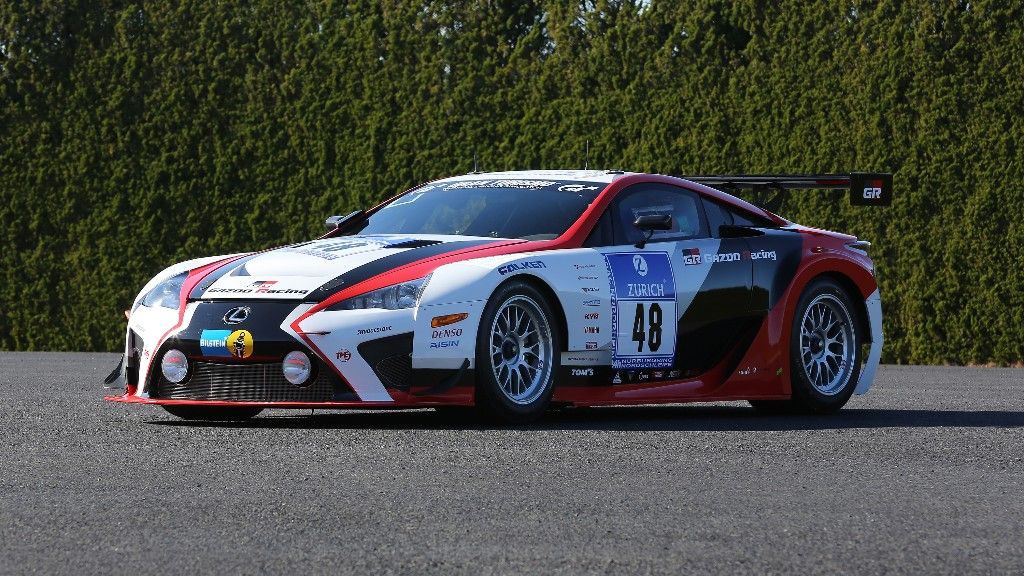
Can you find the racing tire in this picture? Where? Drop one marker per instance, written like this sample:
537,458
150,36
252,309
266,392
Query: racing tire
825,352
213,413
518,349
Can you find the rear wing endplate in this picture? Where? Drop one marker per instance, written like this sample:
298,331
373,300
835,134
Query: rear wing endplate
865,188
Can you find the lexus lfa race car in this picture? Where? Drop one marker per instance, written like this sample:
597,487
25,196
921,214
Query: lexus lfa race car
514,292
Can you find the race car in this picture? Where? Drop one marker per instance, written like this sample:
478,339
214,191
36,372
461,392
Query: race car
516,292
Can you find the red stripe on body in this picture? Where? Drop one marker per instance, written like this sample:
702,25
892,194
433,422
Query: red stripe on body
194,277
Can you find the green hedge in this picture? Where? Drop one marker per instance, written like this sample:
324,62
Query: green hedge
134,135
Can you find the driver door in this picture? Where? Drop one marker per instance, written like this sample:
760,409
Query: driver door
675,300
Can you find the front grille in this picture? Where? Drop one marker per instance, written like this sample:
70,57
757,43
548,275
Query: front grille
246,383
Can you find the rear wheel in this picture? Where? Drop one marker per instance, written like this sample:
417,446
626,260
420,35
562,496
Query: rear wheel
825,352
213,413
517,354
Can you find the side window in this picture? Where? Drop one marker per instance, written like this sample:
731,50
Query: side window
601,235
741,220
719,215
683,205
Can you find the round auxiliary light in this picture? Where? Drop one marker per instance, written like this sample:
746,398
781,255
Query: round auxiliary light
174,366
297,367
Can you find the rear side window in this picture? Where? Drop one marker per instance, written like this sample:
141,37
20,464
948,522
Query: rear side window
719,214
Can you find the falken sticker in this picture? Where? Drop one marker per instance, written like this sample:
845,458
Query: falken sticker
643,309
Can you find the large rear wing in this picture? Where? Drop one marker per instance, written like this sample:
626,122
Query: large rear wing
865,188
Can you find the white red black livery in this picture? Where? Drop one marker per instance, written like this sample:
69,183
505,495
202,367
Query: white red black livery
516,291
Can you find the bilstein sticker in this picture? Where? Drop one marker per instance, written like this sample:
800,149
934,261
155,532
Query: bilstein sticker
237,344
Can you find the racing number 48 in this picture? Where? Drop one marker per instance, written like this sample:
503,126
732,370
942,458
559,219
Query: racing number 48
651,334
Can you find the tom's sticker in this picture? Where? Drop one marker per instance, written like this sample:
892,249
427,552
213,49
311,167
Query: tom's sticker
643,309
237,344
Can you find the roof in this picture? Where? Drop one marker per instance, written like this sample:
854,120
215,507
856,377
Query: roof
599,176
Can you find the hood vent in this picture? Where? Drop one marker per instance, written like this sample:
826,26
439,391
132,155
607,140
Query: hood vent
413,244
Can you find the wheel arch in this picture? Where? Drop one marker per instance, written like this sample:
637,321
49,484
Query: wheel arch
853,292
552,299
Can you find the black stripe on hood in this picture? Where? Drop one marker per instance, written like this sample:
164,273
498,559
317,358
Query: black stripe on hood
387,263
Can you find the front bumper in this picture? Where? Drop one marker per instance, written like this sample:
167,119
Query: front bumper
362,358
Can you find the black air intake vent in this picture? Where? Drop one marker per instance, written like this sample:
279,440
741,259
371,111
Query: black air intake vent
391,359
414,244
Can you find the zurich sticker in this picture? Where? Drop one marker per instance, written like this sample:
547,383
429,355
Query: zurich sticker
643,309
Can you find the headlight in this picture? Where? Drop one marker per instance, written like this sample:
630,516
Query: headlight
396,297
166,294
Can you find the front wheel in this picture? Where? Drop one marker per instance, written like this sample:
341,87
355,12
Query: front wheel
212,413
517,354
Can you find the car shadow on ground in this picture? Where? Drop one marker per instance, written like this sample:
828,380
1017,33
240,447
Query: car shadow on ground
639,418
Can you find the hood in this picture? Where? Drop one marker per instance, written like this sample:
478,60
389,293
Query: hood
295,271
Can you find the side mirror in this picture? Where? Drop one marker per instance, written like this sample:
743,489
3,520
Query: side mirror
335,222
653,222
650,223
733,231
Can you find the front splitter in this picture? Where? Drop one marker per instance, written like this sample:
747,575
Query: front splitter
327,404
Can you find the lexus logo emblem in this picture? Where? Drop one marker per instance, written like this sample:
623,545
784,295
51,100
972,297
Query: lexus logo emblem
237,315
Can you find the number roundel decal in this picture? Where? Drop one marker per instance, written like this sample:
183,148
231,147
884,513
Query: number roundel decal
643,309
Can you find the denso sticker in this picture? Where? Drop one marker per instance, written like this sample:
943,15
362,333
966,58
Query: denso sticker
446,333
643,309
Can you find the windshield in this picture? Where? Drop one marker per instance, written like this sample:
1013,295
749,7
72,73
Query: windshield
527,209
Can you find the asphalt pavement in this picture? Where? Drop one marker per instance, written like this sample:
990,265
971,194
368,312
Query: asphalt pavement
923,475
